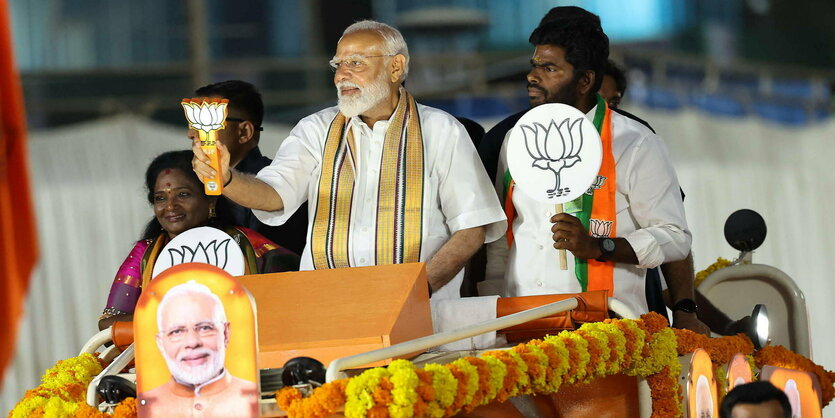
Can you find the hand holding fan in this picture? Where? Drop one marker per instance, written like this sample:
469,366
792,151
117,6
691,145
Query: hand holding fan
554,154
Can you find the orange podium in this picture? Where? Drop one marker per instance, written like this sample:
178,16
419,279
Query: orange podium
328,314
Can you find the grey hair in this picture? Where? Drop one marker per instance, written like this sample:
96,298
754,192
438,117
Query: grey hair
191,288
393,42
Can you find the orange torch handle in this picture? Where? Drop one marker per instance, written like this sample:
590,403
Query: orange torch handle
208,143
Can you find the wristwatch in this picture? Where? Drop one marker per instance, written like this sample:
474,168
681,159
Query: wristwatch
685,305
607,248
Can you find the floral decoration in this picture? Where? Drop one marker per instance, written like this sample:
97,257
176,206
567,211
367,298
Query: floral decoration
702,275
63,392
645,348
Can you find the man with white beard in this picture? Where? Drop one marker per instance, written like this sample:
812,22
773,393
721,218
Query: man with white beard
386,180
193,335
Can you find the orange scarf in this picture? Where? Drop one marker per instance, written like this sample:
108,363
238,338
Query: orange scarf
599,214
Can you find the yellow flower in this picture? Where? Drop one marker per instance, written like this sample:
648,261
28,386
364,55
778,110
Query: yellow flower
582,351
613,340
360,389
539,384
702,275
472,378
404,393
498,371
445,387
57,407
64,383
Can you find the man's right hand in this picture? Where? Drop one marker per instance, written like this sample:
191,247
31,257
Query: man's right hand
202,164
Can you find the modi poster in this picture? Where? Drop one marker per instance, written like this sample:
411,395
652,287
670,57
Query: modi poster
196,345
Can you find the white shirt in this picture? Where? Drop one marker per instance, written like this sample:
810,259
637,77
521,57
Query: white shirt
650,215
459,194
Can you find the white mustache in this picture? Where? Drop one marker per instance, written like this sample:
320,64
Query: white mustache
198,352
349,84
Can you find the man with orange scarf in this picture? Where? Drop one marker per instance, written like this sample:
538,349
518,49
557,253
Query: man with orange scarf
632,217
386,180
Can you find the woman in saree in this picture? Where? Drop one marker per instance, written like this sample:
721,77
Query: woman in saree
179,204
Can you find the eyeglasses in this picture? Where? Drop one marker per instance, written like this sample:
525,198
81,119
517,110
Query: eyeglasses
354,63
203,330
257,128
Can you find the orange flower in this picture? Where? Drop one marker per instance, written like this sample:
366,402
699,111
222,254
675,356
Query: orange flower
666,394
425,391
87,411
630,341
378,411
382,395
511,379
286,396
536,371
721,349
126,408
483,383
596,353
573,357
652,322
324,401
461,392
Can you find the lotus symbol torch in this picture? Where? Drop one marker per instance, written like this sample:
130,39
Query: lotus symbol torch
207,116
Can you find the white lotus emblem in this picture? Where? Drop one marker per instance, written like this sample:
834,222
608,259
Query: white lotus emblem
554,148
205,115
600,229
213,252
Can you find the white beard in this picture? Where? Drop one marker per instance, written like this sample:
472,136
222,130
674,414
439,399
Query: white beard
199,374
365,99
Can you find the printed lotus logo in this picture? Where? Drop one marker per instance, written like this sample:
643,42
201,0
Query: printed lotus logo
597,184
205,115
554,148
213,252
600,229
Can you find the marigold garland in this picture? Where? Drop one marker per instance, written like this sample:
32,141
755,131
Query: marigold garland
324,401
702,275
644,348
721,350
63,392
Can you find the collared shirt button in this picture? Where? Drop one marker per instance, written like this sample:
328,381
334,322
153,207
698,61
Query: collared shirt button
540,246
539,283
362,260
364,229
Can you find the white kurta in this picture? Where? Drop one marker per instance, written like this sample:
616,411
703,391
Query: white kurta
458,195
650,215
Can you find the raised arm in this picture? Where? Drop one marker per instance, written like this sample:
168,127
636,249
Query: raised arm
243,189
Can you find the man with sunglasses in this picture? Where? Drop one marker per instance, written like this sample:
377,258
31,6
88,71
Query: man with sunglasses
386,180
241,137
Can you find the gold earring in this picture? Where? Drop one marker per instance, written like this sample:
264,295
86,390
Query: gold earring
212,212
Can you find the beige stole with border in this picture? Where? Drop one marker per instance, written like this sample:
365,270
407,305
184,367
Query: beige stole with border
399,226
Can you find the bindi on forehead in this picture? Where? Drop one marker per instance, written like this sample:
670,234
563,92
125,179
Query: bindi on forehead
167,171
